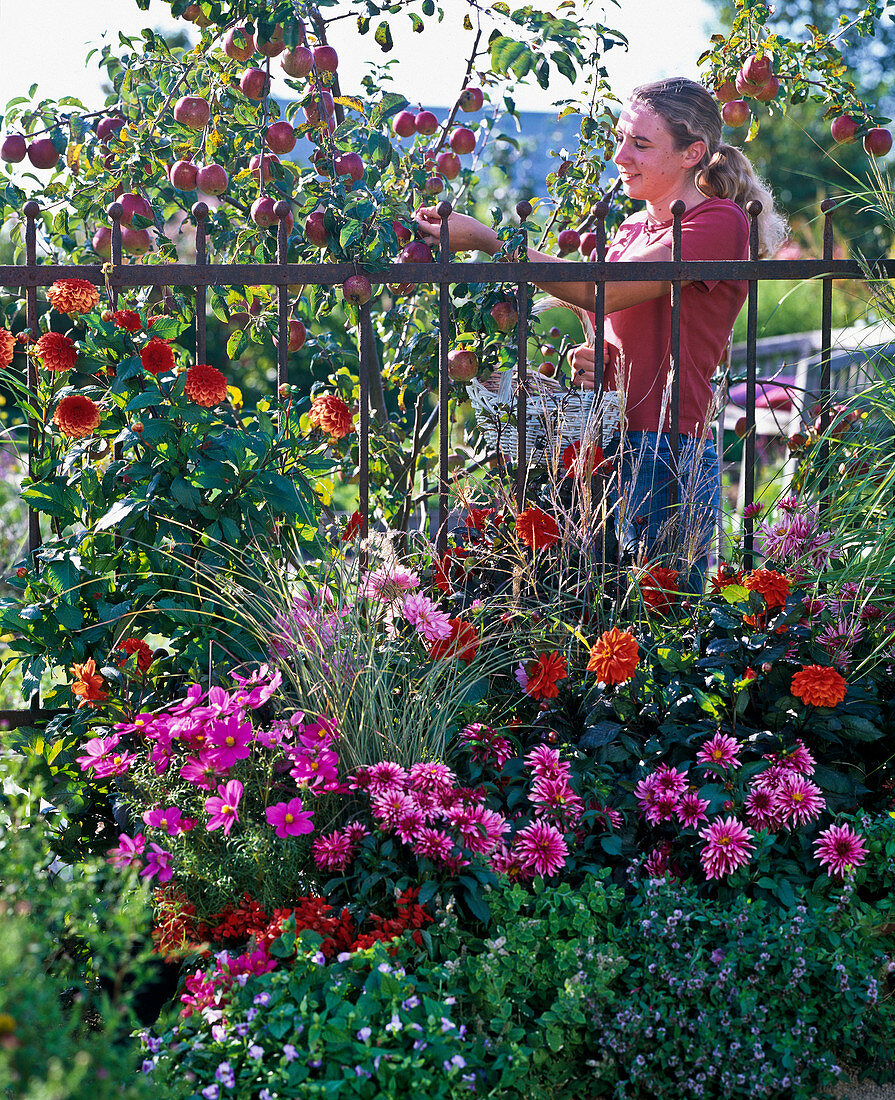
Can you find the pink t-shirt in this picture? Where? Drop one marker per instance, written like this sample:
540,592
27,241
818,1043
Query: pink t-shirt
716,229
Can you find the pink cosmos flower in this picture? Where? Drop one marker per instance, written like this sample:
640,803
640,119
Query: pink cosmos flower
542,847
431,776
840,848
158,863
319,735
486,745
319,770
728,847
389,583
546,764
229,740
171,820
290,818
433,844
691,809
761,808
556,797
334,851
128,852
105,758
799,800
200,772
258,688
223,807
432,623
721,751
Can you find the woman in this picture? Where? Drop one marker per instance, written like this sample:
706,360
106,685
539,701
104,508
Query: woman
669,148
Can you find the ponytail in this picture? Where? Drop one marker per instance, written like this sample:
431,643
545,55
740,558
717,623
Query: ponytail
691,114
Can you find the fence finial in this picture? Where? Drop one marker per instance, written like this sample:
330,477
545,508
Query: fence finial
31,209
200,210
115,211
523,209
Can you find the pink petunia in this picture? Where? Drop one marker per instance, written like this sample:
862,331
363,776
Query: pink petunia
128,852
799,801
430,622
334,851
840,848
721,751
290,818
691,809
158,864
542,847
223,807
728,847
171,820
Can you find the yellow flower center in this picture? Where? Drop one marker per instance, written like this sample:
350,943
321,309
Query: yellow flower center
289,819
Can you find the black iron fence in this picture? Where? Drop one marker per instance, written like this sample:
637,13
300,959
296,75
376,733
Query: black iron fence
443,273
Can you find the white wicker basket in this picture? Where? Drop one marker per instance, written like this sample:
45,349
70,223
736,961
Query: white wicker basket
555,416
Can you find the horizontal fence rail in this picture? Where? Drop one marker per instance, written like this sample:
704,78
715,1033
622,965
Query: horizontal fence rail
443,273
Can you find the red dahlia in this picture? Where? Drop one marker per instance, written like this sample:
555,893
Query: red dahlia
330,414
536,528
770,584
205,385
462,643
129,647
7,347
77,416
73,296
157,356
56,352
128,319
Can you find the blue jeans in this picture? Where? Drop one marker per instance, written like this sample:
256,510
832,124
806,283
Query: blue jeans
649,528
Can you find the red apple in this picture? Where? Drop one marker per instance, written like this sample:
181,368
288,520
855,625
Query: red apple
254,84
106,127
588,245
736,112
425,123
42,153
212,179
417,252
102,242
135,241
448,165
547,368
318,105
757,70
471,99
769,91
843,129
263,164
274,45
192,111
132,205
357,290
239,44
262,212
13,149
315,230
505,315
401,232
463,364
404,124
568,241
725,92
297,336
280,137
350,164
182,175
434,185
877,142
193,14
463,140
297,63
326,59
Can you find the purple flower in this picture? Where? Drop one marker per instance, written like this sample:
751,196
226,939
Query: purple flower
158,862
289,818
223,807
425,615
129,850
289,1052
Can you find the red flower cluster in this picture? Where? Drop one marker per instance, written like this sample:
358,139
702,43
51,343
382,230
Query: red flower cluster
77,416
239,921
462,643
536,528
56,352
353,526
575,460
135,645
128,319
175,932
770,584
411,916
157,356
657,587
448,567
73,296
819,686
205,385
7,347
544,675
330,414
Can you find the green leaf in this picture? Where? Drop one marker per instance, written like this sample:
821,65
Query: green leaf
63,577
383,36
237,342
120,512
379,149
735,593
418,24
168,328
565,65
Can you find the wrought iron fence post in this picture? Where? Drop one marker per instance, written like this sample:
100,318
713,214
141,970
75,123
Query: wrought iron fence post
678,207
282,210
444,382
363,457
828,206
200,213
753,209
523,297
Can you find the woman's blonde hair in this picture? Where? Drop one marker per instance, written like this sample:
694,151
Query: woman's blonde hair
691,114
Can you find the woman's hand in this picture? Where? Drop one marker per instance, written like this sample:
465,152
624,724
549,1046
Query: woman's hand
466,233
582,361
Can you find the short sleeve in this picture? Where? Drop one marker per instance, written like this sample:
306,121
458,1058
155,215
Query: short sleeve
715,231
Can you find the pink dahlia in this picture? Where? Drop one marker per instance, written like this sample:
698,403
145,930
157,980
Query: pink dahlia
840,848
390,806
383,775
389,583
797,759
546,764
334,851
555,797
670,779
542,847
691,809
410,820
433,844
721,750
480,829
761,808
799,800
727,847
431,777
663,807
645,792
486,745
425,615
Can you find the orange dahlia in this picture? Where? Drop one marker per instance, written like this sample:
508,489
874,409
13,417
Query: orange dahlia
462,643
536,528
157,356
129,647
773,586
819,686
614,656
88,684
205,385
330,414
658,585
73,296
544,675
450,566
7,347
77,416
56,352
725,576
128,319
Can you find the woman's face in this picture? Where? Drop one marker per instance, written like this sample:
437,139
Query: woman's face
651,167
